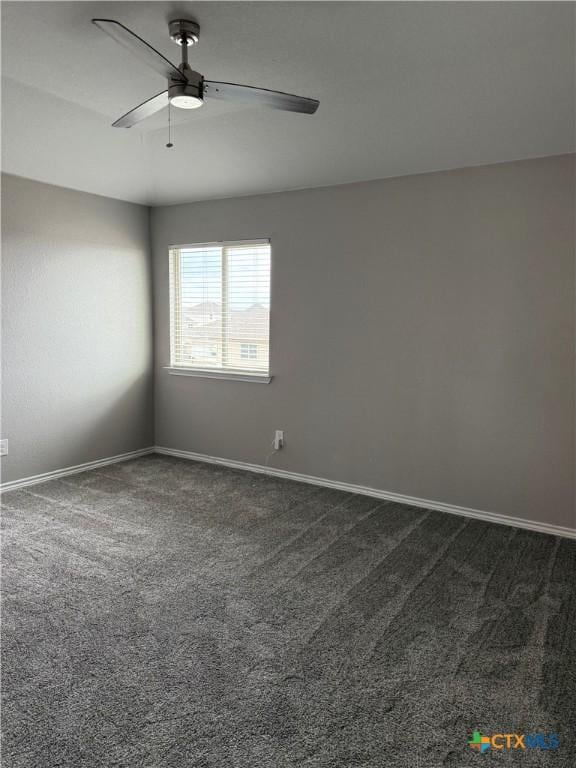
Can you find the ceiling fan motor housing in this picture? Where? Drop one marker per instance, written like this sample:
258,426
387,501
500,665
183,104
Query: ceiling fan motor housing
186,93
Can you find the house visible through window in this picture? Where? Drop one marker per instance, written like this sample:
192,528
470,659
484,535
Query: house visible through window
220,307
249,351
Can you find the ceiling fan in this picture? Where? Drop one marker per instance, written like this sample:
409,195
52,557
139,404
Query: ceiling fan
188,89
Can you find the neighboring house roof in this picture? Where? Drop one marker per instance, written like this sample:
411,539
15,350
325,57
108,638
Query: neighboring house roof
249,324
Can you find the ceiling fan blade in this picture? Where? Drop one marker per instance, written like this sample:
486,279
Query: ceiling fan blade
142,111
260,96
138,47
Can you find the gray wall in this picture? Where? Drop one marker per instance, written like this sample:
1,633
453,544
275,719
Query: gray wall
76,327
422,337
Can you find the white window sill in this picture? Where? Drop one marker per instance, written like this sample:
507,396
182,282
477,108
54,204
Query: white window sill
258,378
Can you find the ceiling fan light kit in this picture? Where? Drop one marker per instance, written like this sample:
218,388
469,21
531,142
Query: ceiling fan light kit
183,97
188,89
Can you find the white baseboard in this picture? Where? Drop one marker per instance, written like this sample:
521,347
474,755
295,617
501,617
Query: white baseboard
491,517
35,479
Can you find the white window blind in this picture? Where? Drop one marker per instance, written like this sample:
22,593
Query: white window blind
220,307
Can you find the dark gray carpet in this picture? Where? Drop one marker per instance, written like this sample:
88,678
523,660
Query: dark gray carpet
167,613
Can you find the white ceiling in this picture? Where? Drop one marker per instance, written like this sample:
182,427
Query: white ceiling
403,87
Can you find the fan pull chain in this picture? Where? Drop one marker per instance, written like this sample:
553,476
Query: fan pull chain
169,145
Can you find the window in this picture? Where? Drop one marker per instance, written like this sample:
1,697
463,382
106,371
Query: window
248,351
220,308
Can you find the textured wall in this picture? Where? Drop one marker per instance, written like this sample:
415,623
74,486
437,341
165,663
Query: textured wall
422,337
76,327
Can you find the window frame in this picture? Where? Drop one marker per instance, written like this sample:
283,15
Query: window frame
216,373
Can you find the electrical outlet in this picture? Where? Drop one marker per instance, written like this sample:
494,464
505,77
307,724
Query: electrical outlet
3,447
278,439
